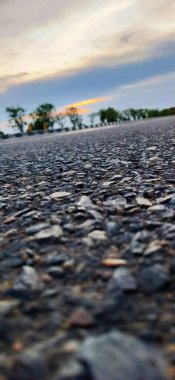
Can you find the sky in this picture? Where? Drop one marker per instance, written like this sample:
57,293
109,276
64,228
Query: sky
121,52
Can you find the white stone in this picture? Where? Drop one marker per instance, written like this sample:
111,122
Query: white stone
107,183
117,202
85,201
166,198
143,202
117,176
60,194
97,235
157,208
28,277
7,306
88,166
152,148
54,231
88,223
70,172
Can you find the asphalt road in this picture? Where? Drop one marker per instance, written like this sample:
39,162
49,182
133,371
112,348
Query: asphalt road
87,247
166,121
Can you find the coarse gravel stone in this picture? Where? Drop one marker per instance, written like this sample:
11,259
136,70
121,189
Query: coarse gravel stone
122,280
153,278
28,278
116,356
54,231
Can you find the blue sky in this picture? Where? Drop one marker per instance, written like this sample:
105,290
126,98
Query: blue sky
64,52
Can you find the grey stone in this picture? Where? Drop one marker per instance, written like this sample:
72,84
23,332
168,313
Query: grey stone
153,278
117,356
26,367
73,371
36,228
96,215
56,259
112,228
122,280
55,272
137,247
28,279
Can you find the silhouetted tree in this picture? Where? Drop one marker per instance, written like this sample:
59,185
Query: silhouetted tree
165,112
111,115
44,116
153,113
73,115
16,117
133,114
125,115
60,119
142,113
172,111
92,117
80,121
102,115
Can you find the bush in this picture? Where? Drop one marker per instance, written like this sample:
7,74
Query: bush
4,136
30,133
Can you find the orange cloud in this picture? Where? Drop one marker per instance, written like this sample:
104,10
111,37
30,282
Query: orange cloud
65,111
89,101
83,103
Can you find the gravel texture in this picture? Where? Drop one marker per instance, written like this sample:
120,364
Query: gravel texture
87,251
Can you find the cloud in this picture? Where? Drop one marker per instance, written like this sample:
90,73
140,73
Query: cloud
46,39
81,111
89,101
80,105
154,92
12,79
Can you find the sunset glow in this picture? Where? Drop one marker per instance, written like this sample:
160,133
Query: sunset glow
80,105
64,111
89,101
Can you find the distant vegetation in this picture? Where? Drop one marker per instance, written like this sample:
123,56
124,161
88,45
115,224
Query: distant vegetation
111,115
45,118
16,117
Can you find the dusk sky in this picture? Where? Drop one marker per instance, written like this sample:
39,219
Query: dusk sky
65,51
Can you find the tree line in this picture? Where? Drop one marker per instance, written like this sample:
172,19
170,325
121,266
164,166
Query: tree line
45,117
111,115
